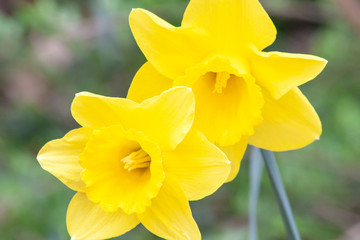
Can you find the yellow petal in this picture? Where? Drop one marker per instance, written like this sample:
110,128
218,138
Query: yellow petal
60,157
279,72
289,123
169,215
171,50
95,111
112,184
225,117
167,118
235,154
200,166
232,22
148,82
87,220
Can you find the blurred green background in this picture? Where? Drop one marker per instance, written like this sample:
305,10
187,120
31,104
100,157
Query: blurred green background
52,49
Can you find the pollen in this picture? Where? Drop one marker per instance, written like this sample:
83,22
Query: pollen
221,80
136,160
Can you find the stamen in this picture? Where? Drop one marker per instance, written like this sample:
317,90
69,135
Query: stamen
221,81
137,159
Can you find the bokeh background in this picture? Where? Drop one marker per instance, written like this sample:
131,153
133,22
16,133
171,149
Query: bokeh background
52,49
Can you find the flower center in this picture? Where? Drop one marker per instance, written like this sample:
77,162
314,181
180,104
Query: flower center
137,159
221,79
122,169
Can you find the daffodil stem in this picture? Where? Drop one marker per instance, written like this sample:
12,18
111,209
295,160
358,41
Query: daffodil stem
282,199
256,169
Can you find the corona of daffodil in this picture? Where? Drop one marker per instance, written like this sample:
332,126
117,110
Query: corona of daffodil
135,163
243,95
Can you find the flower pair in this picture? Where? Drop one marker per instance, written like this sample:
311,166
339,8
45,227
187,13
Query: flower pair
207,82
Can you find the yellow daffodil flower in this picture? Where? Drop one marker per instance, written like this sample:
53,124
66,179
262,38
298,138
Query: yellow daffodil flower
243,95
133,163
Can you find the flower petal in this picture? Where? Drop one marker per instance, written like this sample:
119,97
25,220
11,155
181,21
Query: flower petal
289,123
169,215
200,166
280,72
148,82
171,50
235,154
168,117
87,220
60,157
232,22
95,111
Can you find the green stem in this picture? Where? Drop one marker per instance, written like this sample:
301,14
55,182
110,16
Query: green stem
280,193
256,169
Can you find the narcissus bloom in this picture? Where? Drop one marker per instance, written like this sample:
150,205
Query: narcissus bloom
133,163
243,95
